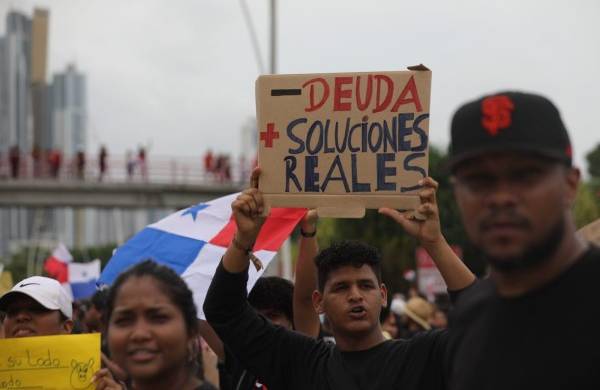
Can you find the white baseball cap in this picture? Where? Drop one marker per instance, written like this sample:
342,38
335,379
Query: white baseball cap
46,291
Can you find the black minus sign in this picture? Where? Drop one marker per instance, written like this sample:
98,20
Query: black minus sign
286,92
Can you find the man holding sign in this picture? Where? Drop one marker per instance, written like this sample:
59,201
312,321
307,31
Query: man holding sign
39,351
350,294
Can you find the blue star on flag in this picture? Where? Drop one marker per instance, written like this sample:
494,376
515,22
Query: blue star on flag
193,211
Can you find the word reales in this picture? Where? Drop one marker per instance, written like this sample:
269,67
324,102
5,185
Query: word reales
384,139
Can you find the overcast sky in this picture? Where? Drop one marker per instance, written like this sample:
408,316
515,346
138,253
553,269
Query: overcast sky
179,74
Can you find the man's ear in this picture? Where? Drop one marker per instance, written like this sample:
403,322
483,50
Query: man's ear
384,295
317,301
67,326
573,177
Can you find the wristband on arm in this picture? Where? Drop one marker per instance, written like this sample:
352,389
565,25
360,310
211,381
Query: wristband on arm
308,234
248,252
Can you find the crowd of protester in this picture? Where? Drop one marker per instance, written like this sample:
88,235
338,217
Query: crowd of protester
336,327
154,294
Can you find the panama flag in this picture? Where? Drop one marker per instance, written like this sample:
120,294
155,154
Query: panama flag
78,279
193,240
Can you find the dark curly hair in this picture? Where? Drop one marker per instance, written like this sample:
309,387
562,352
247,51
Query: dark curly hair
98,300
344,253
273,293
172,285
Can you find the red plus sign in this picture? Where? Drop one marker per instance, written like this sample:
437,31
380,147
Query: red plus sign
269,135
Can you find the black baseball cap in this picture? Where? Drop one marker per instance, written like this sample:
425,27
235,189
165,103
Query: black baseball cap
509,121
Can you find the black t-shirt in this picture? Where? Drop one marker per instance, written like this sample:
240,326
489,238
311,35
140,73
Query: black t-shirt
233,376
546,339
206,386
284,359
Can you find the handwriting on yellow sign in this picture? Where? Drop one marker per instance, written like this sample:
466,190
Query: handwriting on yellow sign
49,362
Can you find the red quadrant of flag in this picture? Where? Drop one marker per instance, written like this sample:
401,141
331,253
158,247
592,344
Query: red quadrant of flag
277,227
57,269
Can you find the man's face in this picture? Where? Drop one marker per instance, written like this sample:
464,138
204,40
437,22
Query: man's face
93,320
514,206
352,299
25,317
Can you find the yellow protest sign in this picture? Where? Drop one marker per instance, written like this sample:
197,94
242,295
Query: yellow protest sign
49,362
6,281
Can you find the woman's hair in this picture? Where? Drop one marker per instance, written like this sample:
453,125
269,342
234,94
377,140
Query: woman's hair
172,285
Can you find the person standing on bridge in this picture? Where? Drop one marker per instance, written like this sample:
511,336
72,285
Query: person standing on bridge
80,163
14,156
55,159
130,164
142,163
102,162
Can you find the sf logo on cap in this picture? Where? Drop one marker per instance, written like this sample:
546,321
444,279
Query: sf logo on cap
497,112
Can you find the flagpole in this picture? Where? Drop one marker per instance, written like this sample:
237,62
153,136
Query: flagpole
286,248
273,37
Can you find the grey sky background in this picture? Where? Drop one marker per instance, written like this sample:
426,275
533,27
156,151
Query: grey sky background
179,74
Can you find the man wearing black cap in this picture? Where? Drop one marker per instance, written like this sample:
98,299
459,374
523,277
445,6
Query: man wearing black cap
526,326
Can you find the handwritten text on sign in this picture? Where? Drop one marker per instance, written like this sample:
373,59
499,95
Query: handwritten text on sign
362,133
49,362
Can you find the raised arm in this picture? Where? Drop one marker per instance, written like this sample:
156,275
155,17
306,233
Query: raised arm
268,351
306,319
212,339
429,233
247,210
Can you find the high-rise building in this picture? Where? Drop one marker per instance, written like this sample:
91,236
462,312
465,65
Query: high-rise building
39,45
15,71
69,116
3,95
39,90
15,111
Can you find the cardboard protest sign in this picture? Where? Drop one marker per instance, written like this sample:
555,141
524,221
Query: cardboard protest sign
343,142
49,362
591,232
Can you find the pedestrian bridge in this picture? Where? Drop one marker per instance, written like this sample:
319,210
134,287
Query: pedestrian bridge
41,193
162,182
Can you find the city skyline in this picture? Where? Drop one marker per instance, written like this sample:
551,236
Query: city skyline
180,77
38,114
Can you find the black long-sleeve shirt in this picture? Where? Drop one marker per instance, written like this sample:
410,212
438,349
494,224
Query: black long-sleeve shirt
284,359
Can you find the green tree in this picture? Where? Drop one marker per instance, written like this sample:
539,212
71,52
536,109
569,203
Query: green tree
398,248
586,208
103,252
17,264
451,223
593,159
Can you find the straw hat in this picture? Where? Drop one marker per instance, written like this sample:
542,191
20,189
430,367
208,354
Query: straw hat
419,310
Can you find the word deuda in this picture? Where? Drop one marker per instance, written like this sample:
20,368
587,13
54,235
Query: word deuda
376,93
